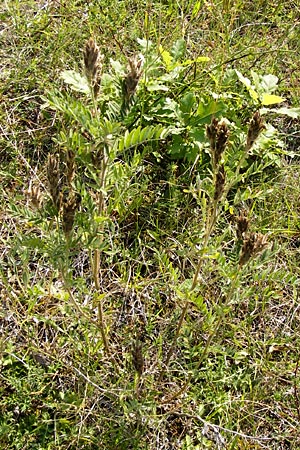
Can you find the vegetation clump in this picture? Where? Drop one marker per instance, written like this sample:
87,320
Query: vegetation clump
149,233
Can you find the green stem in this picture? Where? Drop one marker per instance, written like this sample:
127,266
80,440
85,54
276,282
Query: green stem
210,223
95,262
211,336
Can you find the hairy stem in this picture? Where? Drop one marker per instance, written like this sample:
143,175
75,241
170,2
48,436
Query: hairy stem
96,261
210,223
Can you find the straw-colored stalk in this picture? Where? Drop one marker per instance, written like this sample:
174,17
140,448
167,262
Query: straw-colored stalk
93,68
54,180
101,167
70,166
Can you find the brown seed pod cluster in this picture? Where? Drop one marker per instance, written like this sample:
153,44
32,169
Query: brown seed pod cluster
93,65
256,126
242,223
137,357
253,244
60,177
132,78
217,133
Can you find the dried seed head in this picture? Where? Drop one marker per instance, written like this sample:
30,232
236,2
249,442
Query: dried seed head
256,126
242,222
97,155
220,183
253,244
54,180
93,65
247,250
70,205
132,78
137,357
35,196
217,133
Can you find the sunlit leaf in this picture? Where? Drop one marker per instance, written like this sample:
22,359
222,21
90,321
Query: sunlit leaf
152,87
166,57
196,8
187,102
210,109
290,112
188,62
246,82
271,99
145,44
268,83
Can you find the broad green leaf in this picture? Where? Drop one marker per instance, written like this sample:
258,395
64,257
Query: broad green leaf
271,99
152,87
168,109
117,67
206,111
178,49
269,83
145,44
177,149
256,81
246,82
198,136
76,81
198,300
187,102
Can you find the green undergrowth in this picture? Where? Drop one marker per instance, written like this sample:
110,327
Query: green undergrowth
149,270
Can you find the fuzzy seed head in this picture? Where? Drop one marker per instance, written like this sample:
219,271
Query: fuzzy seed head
253,244
133,76
35,196
93,65
256,126
70,206
217,133
242,222
138,358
